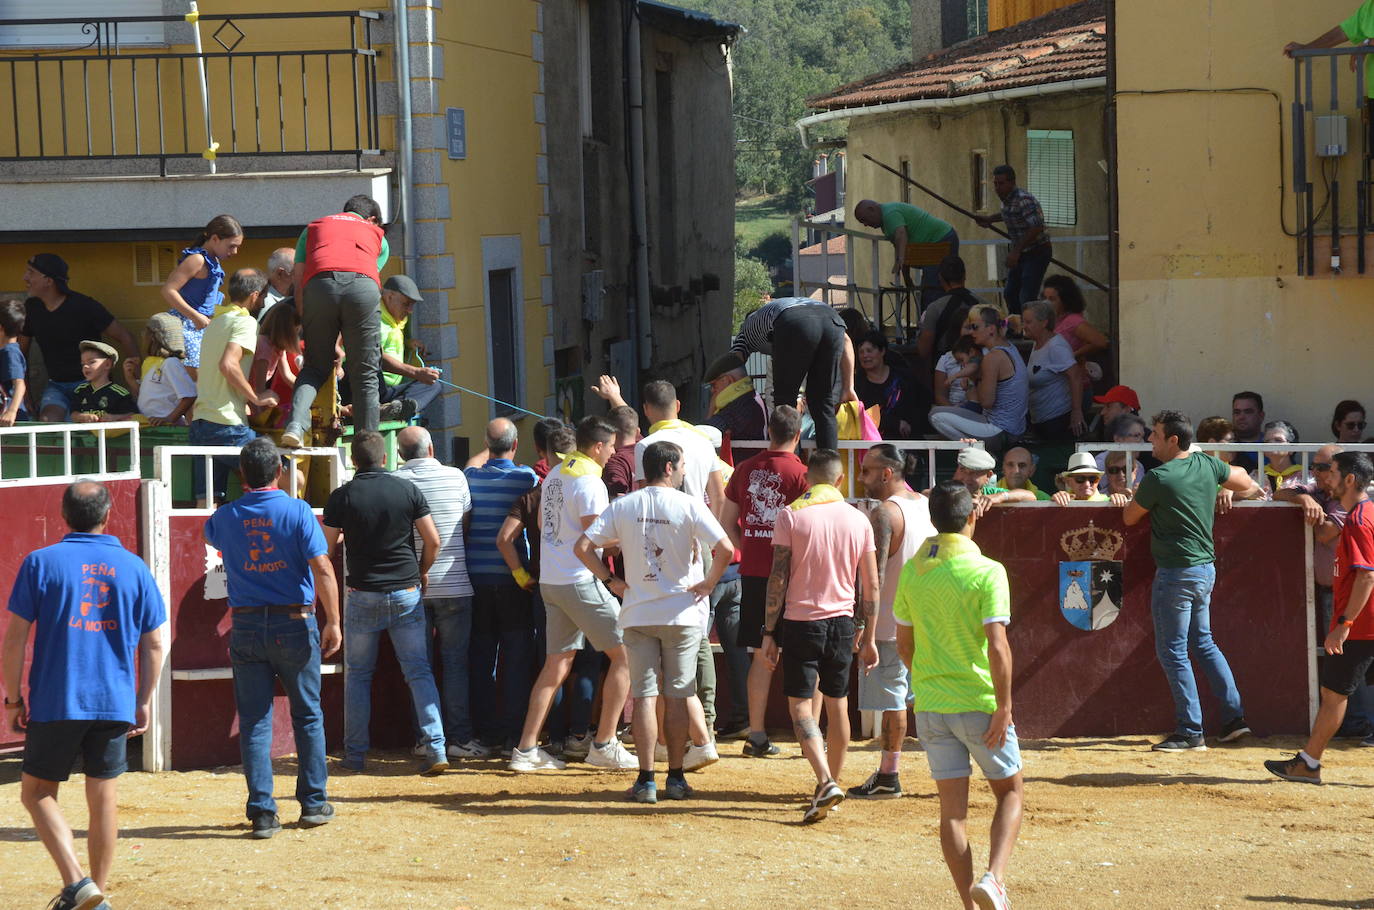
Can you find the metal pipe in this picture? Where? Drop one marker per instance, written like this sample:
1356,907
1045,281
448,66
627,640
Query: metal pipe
194,17
405,170
638,309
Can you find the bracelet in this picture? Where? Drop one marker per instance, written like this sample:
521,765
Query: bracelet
17,703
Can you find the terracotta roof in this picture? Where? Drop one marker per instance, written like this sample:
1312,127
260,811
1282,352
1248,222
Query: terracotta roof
1068,43
834,246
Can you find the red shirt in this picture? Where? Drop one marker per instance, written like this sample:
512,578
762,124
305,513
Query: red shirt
1355,551
762,486
619,472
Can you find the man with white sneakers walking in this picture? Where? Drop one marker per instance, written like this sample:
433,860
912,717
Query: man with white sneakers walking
662,534
576,603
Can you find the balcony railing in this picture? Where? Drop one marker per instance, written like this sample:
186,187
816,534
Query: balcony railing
1320,136
257,96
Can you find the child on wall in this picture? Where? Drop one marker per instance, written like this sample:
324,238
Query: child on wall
13,366
193,289
166,392
99,399
276,362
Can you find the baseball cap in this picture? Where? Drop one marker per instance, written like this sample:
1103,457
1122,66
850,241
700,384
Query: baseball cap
1120,394
403,285
102,349
977,460
50,264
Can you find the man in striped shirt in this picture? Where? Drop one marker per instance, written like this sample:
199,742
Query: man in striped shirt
806,340
448,597
502,614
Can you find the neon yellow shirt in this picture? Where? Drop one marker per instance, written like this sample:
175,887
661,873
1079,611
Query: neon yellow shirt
1358,29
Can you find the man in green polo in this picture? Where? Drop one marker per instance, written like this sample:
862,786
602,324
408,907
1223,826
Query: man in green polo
1358,29
903,223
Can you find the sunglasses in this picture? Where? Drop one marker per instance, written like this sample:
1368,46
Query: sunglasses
1321,467
1354,426
1084,478
1116,470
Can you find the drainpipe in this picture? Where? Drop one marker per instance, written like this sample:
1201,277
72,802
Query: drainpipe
638,310
404,168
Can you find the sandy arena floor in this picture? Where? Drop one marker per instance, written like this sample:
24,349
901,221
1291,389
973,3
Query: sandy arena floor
1108,824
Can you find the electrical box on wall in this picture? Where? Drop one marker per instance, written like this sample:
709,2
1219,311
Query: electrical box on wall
1330,135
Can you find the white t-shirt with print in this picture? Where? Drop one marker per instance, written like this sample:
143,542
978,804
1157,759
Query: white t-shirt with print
163,387
663,534
565,501
698,457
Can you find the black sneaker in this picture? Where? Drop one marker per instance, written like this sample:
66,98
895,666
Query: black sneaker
878,786
1294,769
82,895
731,731
766,750
1234,730
265,824
322,814
1177,742
398,409
828,796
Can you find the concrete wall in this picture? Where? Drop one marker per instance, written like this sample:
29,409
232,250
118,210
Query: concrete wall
940,149
689,161
1209,301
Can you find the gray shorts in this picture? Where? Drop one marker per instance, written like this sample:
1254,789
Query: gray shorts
667,653
950,740
585,608
885,687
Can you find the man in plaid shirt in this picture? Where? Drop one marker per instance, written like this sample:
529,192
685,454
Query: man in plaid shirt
1031,250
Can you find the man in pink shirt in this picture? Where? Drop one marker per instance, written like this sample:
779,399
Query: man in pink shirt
820,543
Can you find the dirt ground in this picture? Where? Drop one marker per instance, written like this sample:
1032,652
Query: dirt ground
1108,824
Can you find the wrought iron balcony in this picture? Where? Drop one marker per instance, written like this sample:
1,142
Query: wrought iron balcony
247,91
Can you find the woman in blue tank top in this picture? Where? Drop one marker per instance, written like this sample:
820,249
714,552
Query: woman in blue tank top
192,291
1003,384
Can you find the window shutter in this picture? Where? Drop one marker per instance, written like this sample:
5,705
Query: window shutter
1050,175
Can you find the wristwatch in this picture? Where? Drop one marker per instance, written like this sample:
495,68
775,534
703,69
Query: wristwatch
1341,620
765,631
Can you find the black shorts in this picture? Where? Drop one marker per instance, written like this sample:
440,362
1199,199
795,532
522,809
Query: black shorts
52,748
753,599
1343,673
822,649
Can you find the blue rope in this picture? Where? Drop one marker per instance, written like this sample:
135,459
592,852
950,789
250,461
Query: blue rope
454,385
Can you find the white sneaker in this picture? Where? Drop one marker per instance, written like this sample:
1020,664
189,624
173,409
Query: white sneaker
469,749
576,747
612,756
699,757
989,893
534,760
292,436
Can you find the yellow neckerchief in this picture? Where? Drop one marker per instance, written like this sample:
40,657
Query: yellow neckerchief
673,424
1284,474
726,471
229,308
734,390
562,456
391,320
1030,486
150,364
580,465
817,495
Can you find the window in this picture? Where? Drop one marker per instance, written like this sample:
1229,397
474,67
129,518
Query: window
153,263
501,263
979,174
1050,174
905,166
977,18
70,35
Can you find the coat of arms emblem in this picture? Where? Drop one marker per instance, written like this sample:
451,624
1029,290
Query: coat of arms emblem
1090,581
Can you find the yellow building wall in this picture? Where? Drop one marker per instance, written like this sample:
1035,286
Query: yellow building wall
1209,300
1005,13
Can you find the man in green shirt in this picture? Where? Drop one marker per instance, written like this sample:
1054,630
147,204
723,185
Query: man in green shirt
1358,29
976,469
952,608
1180,496
903,223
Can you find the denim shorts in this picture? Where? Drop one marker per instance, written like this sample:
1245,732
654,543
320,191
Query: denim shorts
59,394
950,739
52,747
885,687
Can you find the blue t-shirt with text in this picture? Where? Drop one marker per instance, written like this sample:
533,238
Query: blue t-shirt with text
267,540
90,600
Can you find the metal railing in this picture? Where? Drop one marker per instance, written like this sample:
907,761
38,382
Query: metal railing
164,457
1334,134
1303,451
850,482
43,441
104,101
897,307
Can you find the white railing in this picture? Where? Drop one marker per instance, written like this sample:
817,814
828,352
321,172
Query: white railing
859,446
165,456
1302,450
99,432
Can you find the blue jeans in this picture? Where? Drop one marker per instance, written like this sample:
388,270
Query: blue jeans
502,625
263,648
451,617
725,605
1180,602
209,433
399,614
1023,281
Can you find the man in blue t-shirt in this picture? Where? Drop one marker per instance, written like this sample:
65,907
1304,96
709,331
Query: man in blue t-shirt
276,560
93,606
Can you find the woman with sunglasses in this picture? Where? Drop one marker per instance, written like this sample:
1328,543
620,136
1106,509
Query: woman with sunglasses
1348,423
1080,480
1003,384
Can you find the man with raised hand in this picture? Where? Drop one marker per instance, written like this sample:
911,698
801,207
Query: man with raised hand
701,474
276,561
662,533
577,605
96,614
820,544
952,606
901,523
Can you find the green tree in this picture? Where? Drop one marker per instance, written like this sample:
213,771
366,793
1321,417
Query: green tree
751,284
